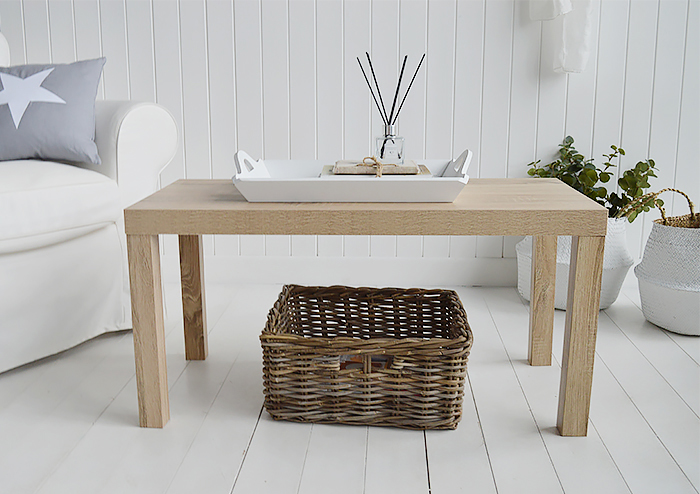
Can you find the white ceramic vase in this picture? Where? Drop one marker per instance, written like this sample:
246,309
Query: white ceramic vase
669,278
616,262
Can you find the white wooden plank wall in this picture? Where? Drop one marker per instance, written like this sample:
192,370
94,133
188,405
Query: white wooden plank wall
280,80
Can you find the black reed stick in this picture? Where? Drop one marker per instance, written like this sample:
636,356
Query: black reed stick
372,91
386,117
409,88
398,85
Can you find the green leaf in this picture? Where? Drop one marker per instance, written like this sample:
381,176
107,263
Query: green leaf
604,177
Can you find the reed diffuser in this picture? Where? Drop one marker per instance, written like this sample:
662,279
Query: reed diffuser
389,146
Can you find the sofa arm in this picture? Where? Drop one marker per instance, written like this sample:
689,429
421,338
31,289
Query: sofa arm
135,142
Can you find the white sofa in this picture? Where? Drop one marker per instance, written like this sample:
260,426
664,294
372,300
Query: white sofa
63,270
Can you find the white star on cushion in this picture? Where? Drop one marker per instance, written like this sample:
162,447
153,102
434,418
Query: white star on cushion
17,93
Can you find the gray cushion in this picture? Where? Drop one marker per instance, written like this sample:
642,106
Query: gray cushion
48,111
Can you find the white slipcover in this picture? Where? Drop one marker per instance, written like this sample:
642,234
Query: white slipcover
63,269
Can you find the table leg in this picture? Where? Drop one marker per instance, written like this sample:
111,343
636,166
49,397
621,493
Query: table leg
542,281
149,334
193,303
582,307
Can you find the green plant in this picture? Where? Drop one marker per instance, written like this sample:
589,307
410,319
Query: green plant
582,174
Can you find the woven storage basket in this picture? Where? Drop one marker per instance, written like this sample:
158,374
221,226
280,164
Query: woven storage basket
366,356
669,274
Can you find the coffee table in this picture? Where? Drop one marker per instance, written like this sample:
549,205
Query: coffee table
543,208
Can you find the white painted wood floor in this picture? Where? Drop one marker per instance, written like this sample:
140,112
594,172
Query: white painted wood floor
68,424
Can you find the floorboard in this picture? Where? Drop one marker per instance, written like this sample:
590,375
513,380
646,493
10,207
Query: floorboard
518,454
396,461
583,465
335,460
671,361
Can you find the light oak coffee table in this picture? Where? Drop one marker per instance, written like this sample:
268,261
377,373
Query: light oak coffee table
543,208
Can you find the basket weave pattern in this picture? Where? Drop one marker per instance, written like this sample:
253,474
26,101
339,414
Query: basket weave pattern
412,347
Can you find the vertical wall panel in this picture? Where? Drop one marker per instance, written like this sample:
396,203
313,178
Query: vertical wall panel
329,98
523,91
496,91
302,96
61,30
412,42
357,136
639,84
496,100
357,96
439,97
275,71
87,34
668,70
166,35
581,95
249,96
329,79
168,73
523,100
611,73
221,97
467,98
140,39
551,107
275,39
302,79
195,94
12,27
221,76
248,77
440,79
195,89
411,122
687,176
116,71
36,31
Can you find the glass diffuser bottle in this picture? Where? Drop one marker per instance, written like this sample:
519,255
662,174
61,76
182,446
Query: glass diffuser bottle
390,147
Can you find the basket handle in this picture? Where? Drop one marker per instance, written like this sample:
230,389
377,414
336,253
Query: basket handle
651,197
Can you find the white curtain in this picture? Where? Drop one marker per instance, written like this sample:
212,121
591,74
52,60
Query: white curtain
573,21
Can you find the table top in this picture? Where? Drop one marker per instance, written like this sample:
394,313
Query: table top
486,206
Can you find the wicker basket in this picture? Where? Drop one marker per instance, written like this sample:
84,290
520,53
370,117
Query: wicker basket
366,356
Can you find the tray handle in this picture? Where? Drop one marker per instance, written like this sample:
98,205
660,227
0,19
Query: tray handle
458,167
247,167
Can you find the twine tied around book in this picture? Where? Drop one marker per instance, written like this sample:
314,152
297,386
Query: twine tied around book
374,163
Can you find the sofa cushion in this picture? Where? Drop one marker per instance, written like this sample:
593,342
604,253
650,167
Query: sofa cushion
41,201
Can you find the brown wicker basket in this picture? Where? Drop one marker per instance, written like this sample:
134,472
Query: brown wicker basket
367,356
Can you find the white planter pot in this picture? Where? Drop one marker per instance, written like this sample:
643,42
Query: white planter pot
616,262
669,279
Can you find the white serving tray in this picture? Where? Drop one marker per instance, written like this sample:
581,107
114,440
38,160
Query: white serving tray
300,181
